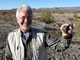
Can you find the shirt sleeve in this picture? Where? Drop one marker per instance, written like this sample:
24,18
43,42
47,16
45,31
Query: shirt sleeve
8,55
57,44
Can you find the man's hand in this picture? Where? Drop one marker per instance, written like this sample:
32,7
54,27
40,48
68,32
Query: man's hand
66,30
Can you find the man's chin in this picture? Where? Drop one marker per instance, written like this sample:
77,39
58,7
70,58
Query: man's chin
25,28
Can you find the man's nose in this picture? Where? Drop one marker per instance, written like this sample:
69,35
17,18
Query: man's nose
26,19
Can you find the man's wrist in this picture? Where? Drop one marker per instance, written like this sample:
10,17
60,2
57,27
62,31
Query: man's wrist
69,37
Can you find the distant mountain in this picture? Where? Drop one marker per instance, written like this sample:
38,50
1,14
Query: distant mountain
68,8
14,9
59,8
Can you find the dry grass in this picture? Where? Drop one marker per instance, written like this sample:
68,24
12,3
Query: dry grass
7,15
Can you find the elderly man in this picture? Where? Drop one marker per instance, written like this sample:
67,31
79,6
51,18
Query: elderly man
27,43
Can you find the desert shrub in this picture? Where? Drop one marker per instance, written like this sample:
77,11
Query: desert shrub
47,17
75,12
60,12
8,15
75,16
4,12
54,11
70,19
78,28
78,11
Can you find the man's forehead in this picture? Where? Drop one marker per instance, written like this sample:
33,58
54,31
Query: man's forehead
24,13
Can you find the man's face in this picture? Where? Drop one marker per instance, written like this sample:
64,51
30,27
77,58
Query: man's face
24,19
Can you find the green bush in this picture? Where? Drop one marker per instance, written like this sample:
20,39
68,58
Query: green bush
3,13
8,15
54,11
60,12
78,11
47,17
75,16
78,28
70,19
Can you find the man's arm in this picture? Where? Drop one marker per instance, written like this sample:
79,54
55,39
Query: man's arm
8,55
58,44
62,43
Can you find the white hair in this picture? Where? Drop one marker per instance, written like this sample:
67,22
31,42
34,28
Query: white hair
23,7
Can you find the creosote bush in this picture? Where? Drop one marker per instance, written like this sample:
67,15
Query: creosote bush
78,28
7,15
47,17
75,16
60,12
70,19
4,12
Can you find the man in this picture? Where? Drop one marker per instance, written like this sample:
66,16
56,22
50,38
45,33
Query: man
27,43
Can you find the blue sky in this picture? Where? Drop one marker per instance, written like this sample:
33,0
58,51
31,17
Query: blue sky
10,4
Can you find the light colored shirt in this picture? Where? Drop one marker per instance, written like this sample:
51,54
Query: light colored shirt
26,35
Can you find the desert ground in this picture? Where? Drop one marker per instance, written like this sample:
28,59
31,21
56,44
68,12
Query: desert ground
72,53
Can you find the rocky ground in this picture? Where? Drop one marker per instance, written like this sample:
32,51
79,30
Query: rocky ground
72,53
